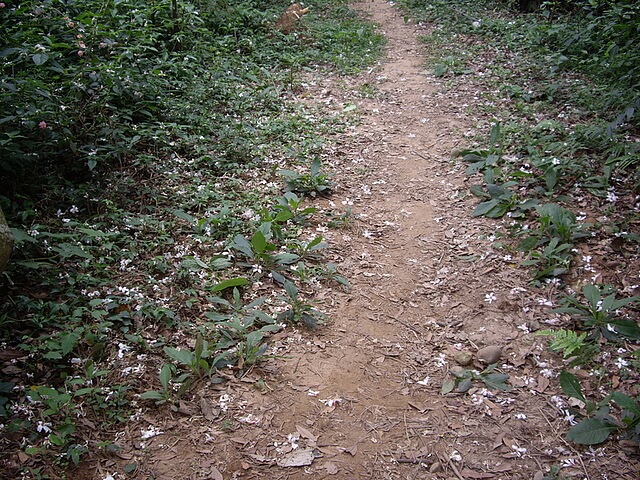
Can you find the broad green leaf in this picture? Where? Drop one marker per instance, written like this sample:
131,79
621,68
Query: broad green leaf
315,167
232,282
286,258
291,289
589,432
6,387
626,402
242,245
465,385
40,58
478,191
288,173
184,216
494,136
474,168
528,244
592,294
485,207
440,70
68,341
627,328
166,372
220,263
571,386
447,387
315,242
184,357
254,338
496,381
259,242
152,395
283,216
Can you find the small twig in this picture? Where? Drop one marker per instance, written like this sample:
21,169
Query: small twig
455,469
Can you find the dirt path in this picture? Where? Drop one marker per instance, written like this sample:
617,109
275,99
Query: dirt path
361,397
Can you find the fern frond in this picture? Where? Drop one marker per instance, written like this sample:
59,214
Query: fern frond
565,341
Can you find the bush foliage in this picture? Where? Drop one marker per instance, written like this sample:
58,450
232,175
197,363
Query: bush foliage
87,83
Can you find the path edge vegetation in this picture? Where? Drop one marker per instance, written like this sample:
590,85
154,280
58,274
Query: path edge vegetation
158,176
559,170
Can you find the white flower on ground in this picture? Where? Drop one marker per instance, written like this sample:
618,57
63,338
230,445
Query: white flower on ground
43,427
621,363
490,297
150,432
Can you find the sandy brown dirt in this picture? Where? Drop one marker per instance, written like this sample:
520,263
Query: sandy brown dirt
360,397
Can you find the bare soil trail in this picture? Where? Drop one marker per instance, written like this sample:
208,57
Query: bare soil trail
360,397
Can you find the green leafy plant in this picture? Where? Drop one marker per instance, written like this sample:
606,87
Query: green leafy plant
291,207
251,349
600,314
298,310
262,251
314,183
599,422
463,380
234,320
166,394
499,200
552,261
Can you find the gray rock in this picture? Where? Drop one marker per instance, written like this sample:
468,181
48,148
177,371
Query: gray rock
463,358
490,354
6,242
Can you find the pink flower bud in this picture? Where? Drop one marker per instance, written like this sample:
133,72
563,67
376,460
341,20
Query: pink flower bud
42,125
80,53
2,5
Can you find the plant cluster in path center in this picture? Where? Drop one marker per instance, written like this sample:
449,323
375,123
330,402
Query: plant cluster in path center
163,210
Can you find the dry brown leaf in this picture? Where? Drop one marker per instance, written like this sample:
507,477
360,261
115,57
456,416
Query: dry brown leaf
297,458
306,433
543,384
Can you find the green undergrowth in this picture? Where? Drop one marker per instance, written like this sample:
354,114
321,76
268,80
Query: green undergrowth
157,180
557,163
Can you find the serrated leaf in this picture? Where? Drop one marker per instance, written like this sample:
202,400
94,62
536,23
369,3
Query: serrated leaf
571,386
589,432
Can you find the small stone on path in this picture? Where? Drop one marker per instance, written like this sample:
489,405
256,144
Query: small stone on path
490,354
463,358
